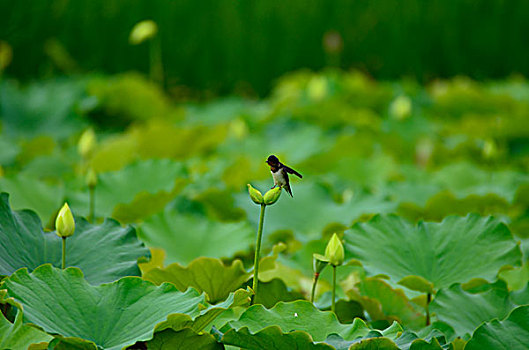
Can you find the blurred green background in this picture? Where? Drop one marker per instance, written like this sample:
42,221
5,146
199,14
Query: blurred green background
229,46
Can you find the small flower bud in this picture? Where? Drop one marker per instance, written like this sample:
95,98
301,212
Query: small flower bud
255,195
65,224
400,108
142,31
87,143
91,178
319,262
272,196
334,251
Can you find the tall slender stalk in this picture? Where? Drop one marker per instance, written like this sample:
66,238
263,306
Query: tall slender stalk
92,213
314,283
63,252
333,305
257,251
428,301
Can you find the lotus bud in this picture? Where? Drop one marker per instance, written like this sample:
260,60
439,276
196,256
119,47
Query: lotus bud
400,108
490,149
272,196
87,143
142,31
65,224
319,262
91,178
255,195
334,251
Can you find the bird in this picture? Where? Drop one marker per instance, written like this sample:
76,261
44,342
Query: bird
280,173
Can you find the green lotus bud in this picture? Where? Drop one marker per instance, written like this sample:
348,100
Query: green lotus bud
272,196
400,108
87,143
319,262
255,195
334,251
490,149
65,224
142,31
91,178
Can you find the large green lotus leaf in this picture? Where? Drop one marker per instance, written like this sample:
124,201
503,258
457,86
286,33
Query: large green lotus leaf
17,335
270,293
183,339
411,192
312,209
164,139
185,237
122,187
273,338
446,203
113,153
374,339
104,252
509,334
464,311
41,108
411,341
454,250
299,315
110,316
30,193
205,275
374,343
516,278
209,314
9,150
466,179
382,302
299,325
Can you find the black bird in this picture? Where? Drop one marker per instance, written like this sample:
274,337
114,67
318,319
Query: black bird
280,173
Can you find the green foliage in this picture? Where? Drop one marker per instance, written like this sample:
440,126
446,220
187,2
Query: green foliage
511,333
183,236
493,302
384,166
203,274
104,252
110,315
439,253
16,335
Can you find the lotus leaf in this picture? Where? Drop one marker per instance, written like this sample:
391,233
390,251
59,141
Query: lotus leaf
109,316
509,334
205,275
104,252
185,237
454,250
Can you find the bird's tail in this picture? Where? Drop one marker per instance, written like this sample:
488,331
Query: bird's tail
287,188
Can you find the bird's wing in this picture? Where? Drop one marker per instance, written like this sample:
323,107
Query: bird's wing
292,171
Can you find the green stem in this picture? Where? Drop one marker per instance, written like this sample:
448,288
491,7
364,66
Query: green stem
257,251
333,305
314,283
63,252
155,58
428,301
91,190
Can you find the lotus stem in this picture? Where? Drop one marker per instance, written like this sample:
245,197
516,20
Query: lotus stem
257,252
314,283
92,213
333,305
63,252
428,300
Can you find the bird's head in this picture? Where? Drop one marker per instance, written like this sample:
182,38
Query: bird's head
272,161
